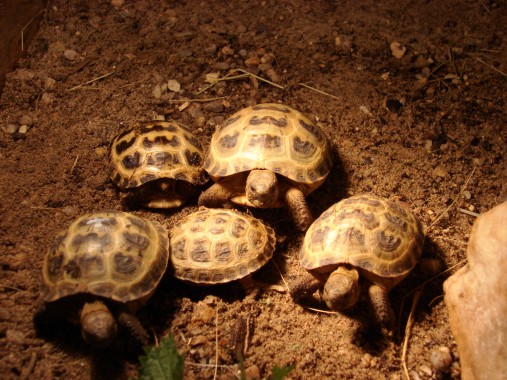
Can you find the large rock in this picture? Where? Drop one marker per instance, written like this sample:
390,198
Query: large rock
476,297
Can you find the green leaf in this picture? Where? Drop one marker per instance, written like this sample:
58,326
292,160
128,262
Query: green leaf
281,373
162,362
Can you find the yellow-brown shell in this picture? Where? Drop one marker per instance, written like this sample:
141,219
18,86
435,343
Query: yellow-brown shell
213,246
274,137
111,254
369,232
155,150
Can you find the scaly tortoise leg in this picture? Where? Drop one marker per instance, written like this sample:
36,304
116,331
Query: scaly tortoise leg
381,308
134,327
298,208
216,196
304,287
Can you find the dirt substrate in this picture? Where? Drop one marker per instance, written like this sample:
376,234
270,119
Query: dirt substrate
424,126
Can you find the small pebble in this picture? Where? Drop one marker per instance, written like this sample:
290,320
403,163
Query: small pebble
100,151
467,194
202,312
421,62
173,85
23,129
268,58
70,54
14,336
441,359
157,91
343,42
398,50
273,76
215,106
25,120
46,98
70,26
222,65
252,61
49,83
198,340
117,3
200,121
439,171
5,314
253,372
226,50
428,145
10,128
426,370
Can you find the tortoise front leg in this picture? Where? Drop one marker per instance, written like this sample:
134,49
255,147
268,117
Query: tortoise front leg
298,208
134,326
304,287
381,307
216,196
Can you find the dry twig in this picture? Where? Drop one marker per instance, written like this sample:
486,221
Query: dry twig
319,91
197,100
468,212
408,327
490,66
91,81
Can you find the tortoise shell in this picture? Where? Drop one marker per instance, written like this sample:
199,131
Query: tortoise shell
373,234
274,137
111,254
155,150
213,246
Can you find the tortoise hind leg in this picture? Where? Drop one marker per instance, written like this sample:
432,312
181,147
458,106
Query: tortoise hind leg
216,196
298,208
134,326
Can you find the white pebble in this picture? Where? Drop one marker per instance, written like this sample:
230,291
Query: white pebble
70,54
157,92
173,85
23,129
398,50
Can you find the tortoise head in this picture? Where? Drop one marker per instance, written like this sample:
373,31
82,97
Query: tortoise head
164,193
341,290
98,326
262,188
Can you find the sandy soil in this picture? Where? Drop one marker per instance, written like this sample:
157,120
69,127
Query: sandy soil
426,128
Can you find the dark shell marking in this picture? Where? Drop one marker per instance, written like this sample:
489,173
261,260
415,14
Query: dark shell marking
368,232
110,254
273,137
214,246
154,151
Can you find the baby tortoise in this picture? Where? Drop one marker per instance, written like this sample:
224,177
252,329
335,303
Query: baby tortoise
266,156
363,236
159,163
101,269
213,246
